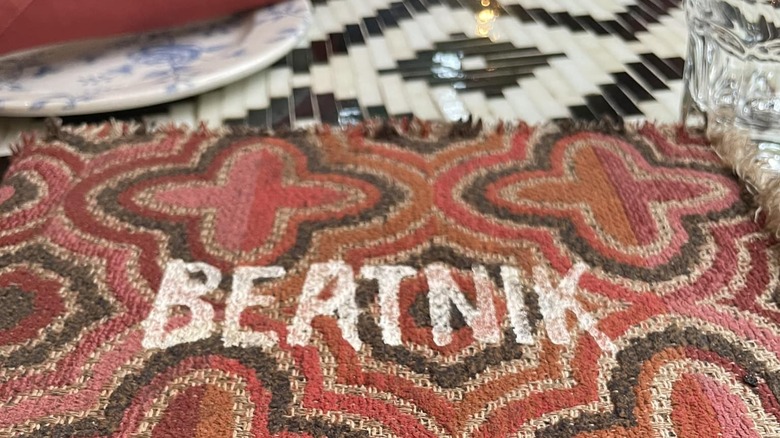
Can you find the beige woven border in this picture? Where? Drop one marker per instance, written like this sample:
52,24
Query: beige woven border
751,166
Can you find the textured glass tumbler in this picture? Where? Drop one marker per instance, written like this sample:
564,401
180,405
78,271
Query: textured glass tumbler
732,73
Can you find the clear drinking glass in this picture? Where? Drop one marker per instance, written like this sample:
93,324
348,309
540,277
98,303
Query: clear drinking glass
732,74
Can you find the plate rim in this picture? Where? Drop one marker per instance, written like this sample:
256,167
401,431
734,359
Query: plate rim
217,79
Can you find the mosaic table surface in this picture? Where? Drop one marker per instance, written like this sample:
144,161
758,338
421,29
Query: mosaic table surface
447,59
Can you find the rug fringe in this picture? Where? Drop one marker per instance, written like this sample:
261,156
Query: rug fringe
378,129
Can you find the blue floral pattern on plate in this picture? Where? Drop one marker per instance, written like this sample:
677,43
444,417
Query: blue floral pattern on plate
156,67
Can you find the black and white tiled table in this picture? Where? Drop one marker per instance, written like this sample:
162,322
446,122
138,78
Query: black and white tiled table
447,59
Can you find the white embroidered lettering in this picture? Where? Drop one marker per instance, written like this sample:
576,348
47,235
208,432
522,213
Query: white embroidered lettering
518,315
554,302
443,290
389,278
341,303
179,289
242,298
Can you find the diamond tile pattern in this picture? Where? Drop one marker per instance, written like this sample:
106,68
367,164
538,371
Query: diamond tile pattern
448,59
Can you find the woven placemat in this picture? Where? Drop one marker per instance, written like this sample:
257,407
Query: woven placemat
387,279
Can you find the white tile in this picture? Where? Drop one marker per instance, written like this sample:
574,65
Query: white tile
473,63
655,111
343,12
444,19
393,92
397,43
557,86
543,100
619,49
601,56
502,110
477,105
523,105
416,38
256,96
300,80
314,33
542,38
234,100
379,52
210,108
450,104
671,99
366,80
571,72
419,95
575,51
465,21
655,45
321,79
279,82
183,113
343,79
430,27
325,20
573,7
515,31
362,8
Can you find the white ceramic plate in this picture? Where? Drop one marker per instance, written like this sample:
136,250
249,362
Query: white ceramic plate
141,70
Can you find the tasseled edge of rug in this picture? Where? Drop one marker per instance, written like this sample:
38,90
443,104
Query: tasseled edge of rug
377,129
752,166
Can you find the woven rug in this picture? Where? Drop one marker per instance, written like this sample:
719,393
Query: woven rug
389,279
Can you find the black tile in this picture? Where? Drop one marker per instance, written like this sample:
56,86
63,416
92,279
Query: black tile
4,163
543,16
601,107
653,7
257,118
319,52
377,112
400,11
582,112
235,122
619,100
677,64
386,18
647,76
301,60
354,35
136,114
617,28
493,91
630,85
536,60
349,112
660,66
520,12
567,20
280,113
416,5
642,15
337,43
590,23
302,103
326,103
631,23
283,62
373,27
